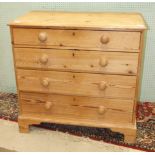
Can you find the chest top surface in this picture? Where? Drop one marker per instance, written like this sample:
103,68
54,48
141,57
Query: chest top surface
81,20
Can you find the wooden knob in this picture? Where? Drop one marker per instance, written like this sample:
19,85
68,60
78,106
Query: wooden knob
102,85
103,62
42,36
48,105
45,82
44,59
101,110
104,39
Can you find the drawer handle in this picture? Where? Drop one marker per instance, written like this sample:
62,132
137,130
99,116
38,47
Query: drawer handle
103,61
45,82
104,39
44,59
48,105
101,110
102,85
42,36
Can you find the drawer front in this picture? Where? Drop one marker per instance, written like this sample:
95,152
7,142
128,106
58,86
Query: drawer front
80,107
82,84
80,61
99,40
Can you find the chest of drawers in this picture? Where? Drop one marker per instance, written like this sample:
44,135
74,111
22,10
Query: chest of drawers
78,69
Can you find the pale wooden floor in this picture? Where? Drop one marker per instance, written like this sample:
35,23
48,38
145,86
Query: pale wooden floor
46,140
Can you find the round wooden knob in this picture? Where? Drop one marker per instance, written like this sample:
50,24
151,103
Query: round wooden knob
42,36
44,59
48,105
45,82
104,39
102,85
103,62
101,110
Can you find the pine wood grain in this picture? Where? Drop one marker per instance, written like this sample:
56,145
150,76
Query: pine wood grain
76,83
74,39
79,107
81,20
77,61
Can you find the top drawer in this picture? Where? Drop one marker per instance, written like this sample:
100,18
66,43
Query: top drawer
77,39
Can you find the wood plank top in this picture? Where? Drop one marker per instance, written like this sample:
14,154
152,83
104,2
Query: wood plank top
81,20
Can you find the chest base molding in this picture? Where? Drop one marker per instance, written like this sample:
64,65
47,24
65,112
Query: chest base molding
128,129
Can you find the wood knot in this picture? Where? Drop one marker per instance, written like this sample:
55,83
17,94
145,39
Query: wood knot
60,44
130,72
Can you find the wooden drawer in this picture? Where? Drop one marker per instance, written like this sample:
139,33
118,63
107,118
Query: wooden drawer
79,61
82,84
80,107
75,39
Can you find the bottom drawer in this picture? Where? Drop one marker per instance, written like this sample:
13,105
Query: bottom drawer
91,108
